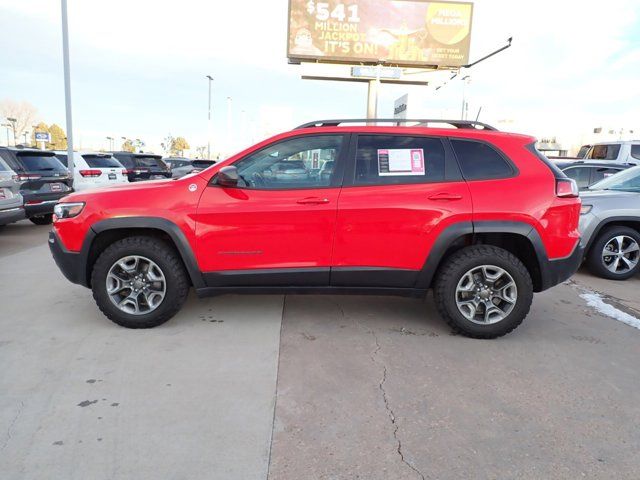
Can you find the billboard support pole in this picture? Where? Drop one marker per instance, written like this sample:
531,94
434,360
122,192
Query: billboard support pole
372,97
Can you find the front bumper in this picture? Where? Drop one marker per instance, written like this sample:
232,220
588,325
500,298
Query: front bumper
11,215
554,272
71,264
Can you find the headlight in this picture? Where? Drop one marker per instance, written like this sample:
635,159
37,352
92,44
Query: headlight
585,209
67,210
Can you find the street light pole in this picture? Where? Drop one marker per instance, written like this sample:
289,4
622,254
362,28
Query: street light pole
67,86
12,121
209,121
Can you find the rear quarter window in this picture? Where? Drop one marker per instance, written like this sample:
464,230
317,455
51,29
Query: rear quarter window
635,151
480,161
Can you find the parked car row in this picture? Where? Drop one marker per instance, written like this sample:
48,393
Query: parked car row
37,179
33,181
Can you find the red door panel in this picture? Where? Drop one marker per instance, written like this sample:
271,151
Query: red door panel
395,226
240,229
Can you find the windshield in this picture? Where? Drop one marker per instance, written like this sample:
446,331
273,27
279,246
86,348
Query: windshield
102,161
33,162
626,181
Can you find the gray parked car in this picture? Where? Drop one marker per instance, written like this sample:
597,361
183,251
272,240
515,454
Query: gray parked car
184,166
610,225
11,202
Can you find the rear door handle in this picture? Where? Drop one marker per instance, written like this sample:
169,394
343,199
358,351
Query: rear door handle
445,196
313,201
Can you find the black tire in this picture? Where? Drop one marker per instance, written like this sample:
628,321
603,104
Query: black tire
165,257
454,269
42,219
595,260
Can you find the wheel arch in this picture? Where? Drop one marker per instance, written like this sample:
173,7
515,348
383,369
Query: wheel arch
518,238
622,221
105,232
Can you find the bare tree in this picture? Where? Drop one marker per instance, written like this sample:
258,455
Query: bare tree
21,115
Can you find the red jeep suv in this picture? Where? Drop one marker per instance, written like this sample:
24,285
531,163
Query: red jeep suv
336,207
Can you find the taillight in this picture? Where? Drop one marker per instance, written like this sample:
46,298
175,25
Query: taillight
126,172
90,173
566,188
23,177
3,195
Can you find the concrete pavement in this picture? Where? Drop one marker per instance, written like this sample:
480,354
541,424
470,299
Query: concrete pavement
81,398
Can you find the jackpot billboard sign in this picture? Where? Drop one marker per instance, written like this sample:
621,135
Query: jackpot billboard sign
392,32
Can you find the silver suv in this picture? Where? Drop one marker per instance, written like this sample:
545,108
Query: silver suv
623,151
610,225
11,202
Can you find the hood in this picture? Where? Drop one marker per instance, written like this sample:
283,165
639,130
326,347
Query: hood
123,188
606,194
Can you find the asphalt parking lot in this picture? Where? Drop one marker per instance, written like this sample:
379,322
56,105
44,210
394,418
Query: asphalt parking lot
317,387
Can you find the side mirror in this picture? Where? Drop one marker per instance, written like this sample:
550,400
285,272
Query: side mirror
228,177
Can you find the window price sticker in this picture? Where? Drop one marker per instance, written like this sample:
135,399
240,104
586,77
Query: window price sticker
401,162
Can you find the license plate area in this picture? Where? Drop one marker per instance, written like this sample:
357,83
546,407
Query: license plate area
56,187
112,176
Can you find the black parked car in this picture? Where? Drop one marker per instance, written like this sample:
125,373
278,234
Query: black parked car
44,180
143,166
586,173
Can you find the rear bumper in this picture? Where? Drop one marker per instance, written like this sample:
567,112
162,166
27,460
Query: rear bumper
71,264
35,205
10,215
554,272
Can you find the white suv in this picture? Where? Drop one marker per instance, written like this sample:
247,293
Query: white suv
623,151
93,170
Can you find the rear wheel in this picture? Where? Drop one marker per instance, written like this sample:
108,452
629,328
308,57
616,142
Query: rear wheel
42,219
615,253
139,282
483,291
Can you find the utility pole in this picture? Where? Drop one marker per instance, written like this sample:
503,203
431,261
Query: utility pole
465,105
67,86
209,121
229,135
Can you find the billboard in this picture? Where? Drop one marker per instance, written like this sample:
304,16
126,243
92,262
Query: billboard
393,32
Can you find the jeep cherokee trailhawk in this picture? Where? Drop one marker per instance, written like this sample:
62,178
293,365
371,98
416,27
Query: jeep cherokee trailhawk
336,207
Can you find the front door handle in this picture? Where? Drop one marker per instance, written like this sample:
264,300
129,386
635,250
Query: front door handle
313,201
445,196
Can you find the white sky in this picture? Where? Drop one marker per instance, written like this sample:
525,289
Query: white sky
139,66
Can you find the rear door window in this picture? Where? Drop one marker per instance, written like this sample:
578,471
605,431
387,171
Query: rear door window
604,152
101,161
395,159
480,161
635,151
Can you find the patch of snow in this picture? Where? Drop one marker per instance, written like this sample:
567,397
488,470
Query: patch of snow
595,301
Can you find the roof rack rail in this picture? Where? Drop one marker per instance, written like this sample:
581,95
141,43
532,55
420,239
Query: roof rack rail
421,122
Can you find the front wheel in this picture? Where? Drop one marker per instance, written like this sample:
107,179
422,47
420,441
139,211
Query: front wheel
483,291
139,282
42,219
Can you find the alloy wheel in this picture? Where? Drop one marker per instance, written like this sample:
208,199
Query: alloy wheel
136,285
486,294
621,254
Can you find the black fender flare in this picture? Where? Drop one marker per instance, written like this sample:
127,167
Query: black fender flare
154,223
454,232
